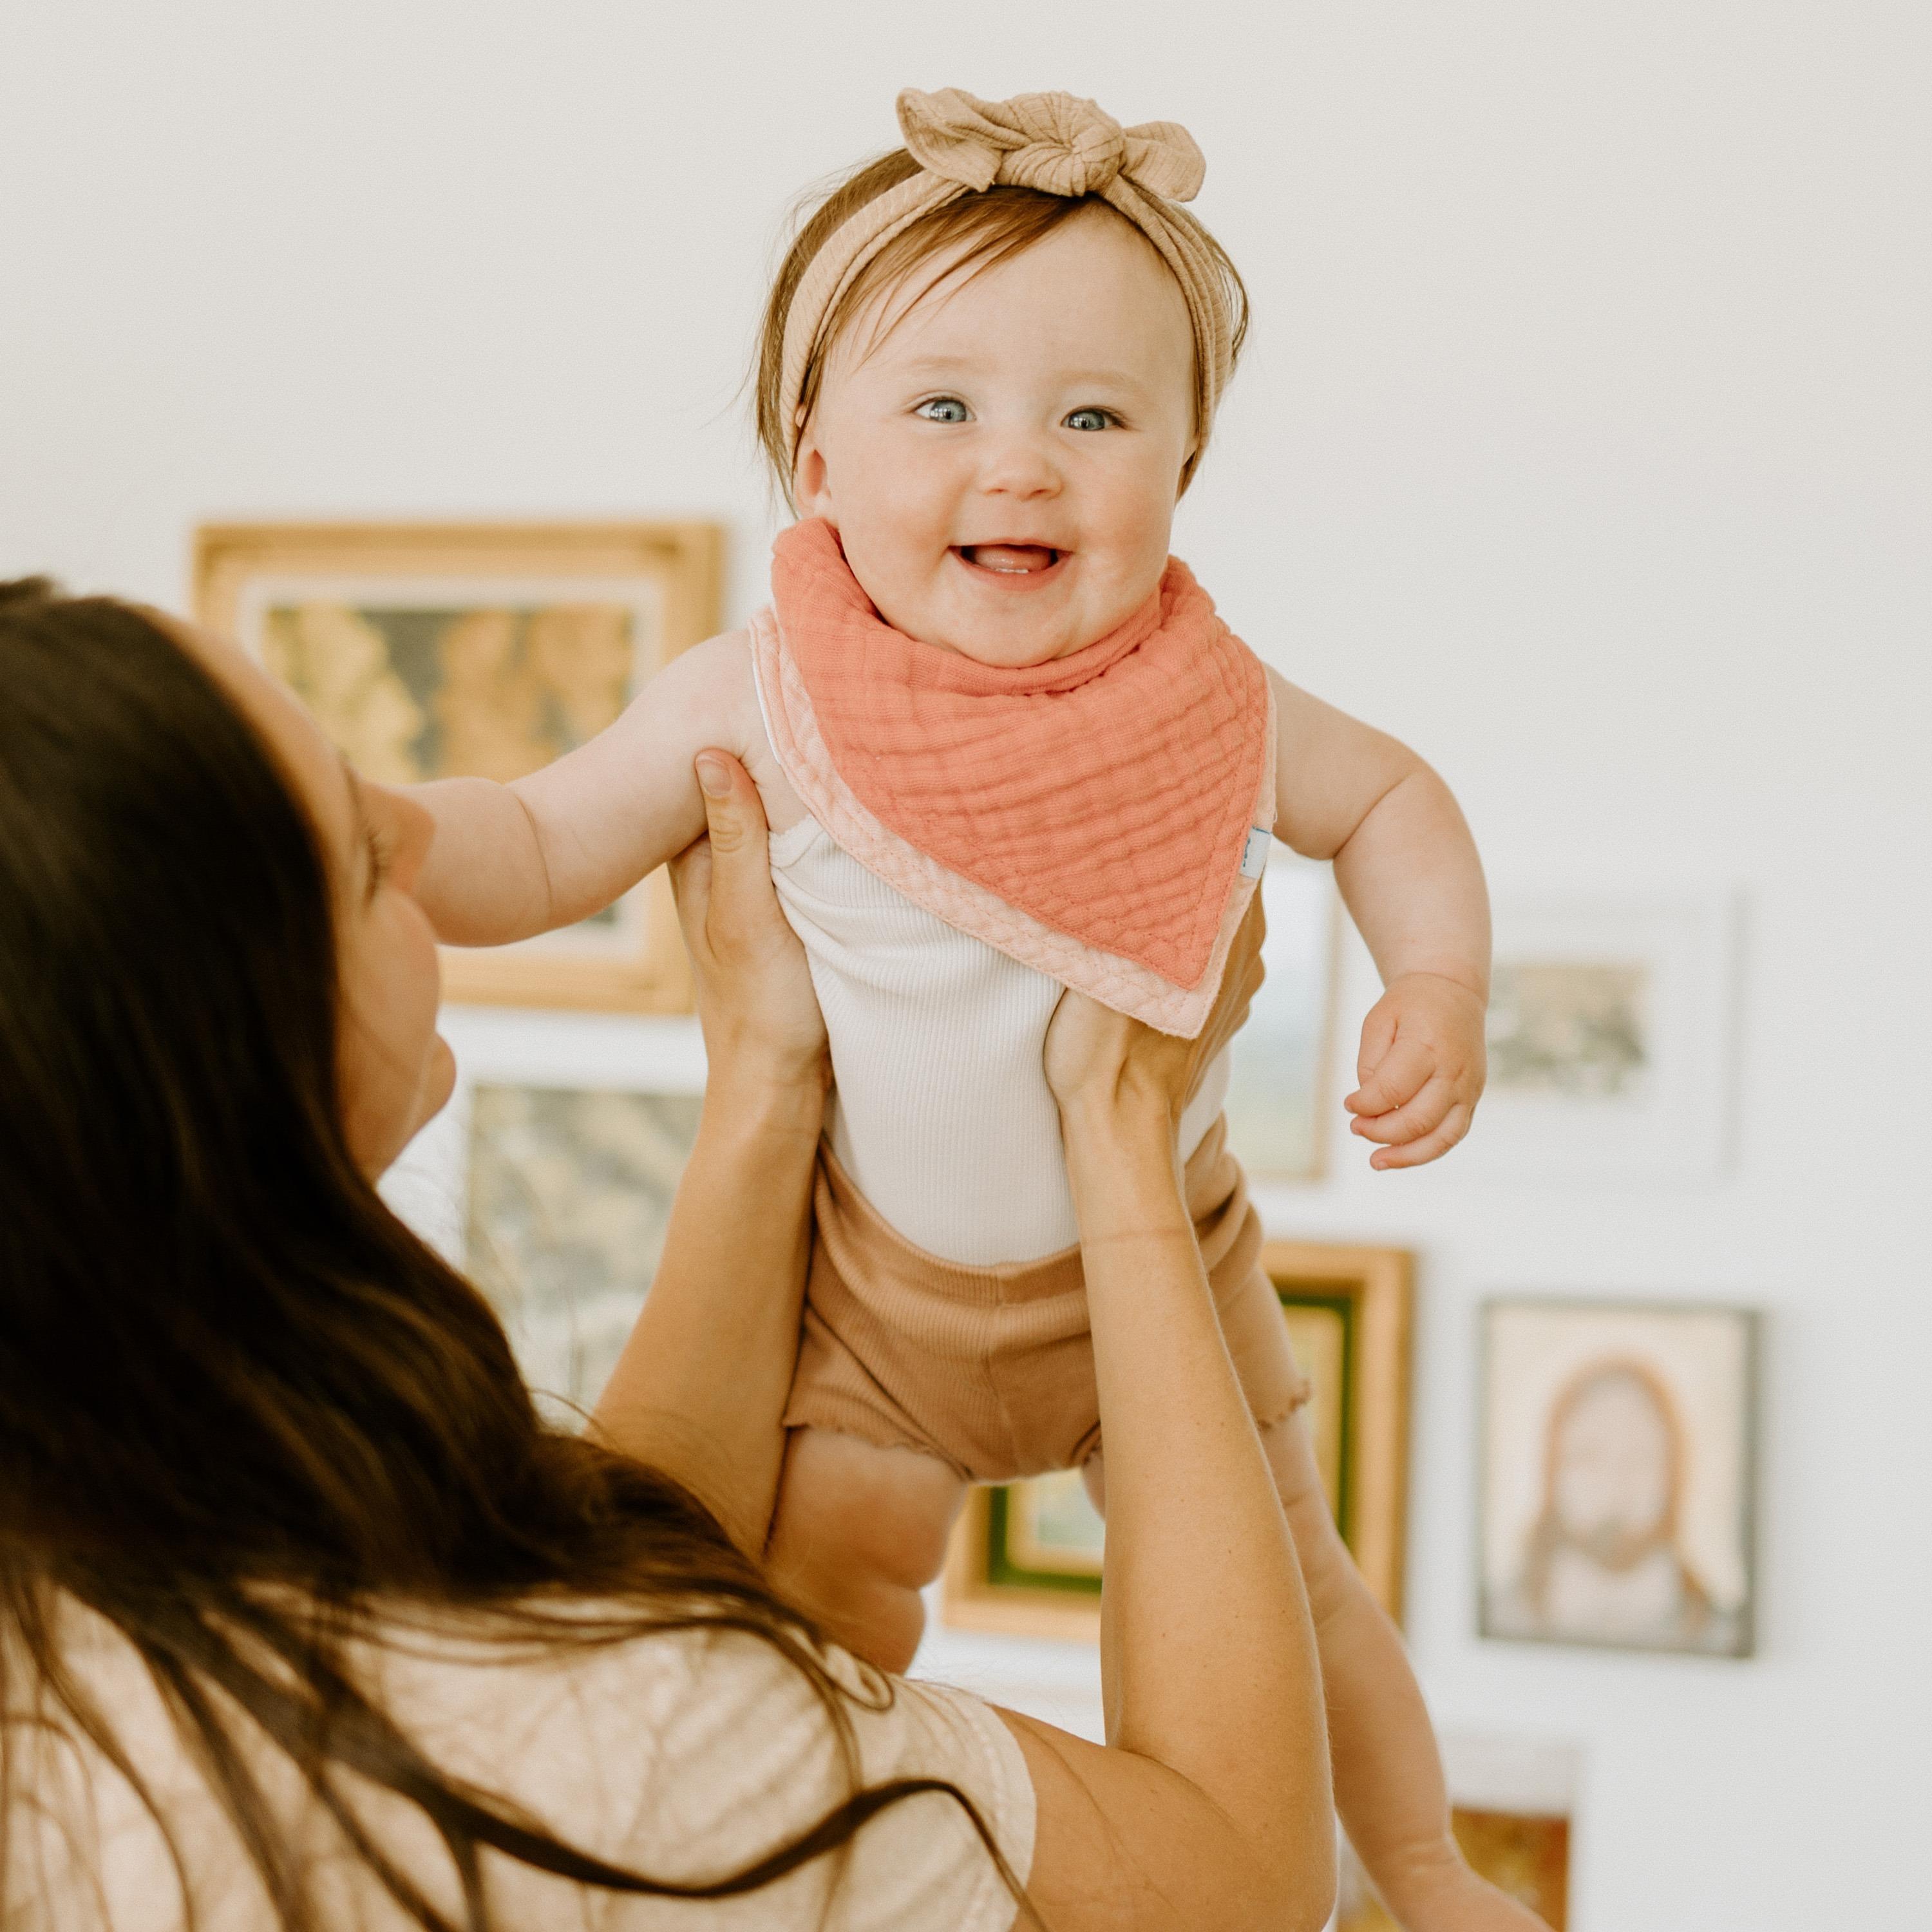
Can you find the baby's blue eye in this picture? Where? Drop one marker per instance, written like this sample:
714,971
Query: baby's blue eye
1089,419
942,409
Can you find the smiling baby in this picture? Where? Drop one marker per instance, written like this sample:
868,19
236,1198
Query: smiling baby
1007,746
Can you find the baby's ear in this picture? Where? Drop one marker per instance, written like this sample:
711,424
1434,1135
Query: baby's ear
811,479
1187,468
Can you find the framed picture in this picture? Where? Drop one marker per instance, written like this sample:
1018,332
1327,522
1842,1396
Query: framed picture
1610,1037
548,1177
441,650
1617,1475
1278,1084
568,1195
1025,1557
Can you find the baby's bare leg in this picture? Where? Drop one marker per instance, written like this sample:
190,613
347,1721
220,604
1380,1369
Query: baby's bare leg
859,1532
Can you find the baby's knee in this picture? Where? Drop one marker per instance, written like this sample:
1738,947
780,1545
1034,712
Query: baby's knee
1328,1571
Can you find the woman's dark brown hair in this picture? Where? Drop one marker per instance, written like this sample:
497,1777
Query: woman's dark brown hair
241,1403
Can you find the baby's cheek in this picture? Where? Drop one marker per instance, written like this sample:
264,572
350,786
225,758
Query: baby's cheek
1138,531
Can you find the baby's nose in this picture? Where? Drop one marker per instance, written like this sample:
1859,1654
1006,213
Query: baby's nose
1021,463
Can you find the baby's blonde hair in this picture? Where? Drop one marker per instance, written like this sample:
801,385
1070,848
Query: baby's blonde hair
972,233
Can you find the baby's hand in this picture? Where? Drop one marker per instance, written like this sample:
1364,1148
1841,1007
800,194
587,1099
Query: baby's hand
1422,1067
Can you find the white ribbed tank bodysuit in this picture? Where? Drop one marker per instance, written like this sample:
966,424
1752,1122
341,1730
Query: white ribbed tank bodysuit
942,1115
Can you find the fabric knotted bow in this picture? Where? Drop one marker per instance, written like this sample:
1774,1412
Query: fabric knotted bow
1056,142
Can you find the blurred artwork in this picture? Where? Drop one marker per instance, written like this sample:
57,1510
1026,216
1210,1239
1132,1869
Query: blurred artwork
437,651
1052,1525
1277,1081
1569,1027
411,692
1617,1475
1528,1857
1610,1039
569,1193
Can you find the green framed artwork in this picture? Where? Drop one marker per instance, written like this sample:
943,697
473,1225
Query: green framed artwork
1025,1559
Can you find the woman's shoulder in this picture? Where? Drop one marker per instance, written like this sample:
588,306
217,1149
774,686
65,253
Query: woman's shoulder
687,1753
682,1754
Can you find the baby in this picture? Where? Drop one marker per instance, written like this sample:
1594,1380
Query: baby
1005,746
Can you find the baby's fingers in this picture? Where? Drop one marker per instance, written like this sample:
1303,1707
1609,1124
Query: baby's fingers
1397,1077
1431,1146
1422,1115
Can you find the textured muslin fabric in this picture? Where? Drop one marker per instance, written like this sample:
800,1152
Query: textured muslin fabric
1059,144
1108,797
684,1755
991,1369
941,1115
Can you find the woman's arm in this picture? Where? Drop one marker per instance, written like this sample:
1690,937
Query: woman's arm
700,1390
1210,1806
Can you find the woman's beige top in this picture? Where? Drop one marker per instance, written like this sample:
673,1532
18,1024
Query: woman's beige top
683,1756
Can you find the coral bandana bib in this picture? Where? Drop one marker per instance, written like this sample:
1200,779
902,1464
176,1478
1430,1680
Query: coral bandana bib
1090,817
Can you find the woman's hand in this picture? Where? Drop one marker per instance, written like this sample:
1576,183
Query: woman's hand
700,1390
1096,1055
754,997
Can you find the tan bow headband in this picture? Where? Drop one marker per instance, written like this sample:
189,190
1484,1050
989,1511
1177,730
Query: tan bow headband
1060,145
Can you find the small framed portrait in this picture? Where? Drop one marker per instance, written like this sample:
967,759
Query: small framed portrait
1610,1039
443,650
1026,1557
1278,1085
1617,1475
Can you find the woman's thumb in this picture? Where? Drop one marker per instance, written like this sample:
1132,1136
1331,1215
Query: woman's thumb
731,812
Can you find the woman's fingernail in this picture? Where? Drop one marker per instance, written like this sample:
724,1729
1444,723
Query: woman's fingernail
713,777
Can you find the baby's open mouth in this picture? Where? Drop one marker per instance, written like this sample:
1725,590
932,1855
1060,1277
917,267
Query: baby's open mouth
1010,560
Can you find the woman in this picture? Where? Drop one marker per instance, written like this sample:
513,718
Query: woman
306,1620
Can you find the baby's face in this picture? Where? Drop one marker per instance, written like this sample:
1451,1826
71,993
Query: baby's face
1001,459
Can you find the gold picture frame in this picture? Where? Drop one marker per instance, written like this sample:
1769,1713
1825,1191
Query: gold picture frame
443,649
1023,1562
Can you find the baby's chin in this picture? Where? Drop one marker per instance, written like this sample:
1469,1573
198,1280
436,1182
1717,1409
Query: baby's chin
1011,639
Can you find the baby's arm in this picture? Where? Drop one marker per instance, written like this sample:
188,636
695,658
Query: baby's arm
509,861
1408,872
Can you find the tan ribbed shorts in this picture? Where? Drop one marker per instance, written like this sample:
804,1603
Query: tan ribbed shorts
991,1370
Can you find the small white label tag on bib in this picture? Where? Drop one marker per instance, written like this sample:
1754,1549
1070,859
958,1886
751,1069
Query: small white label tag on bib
1255,854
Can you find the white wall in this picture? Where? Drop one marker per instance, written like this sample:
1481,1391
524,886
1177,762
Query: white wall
1582,442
